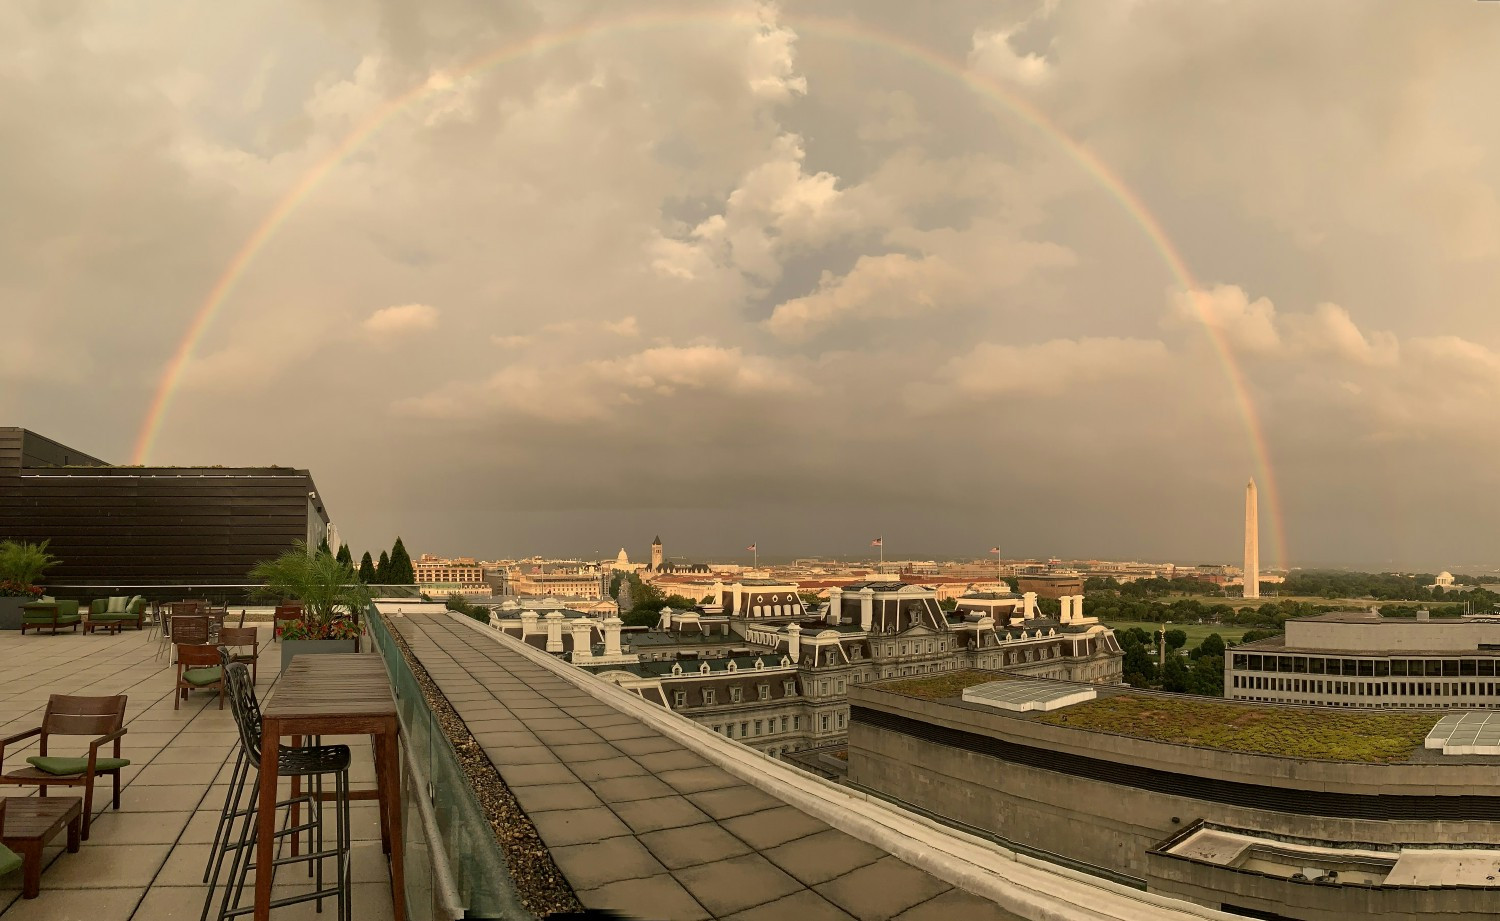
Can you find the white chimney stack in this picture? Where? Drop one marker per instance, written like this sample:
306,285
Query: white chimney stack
528,623
836,603
735,610
583,644
612,627
794,642
866,608
1065,610
1029,600
554,631
1077,609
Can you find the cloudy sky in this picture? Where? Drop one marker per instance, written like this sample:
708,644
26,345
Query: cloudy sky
554,277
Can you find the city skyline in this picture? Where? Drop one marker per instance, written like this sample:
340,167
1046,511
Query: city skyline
821,269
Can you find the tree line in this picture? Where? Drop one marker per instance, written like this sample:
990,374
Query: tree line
394,567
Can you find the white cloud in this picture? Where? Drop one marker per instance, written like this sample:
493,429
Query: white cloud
1245,324
878,287
1046,368
402,320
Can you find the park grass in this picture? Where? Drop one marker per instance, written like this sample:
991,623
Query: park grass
1310,735
940,687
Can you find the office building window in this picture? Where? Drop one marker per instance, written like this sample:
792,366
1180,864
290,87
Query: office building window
757,727
823,721
736,694
708,696
680,697
765,692
783,724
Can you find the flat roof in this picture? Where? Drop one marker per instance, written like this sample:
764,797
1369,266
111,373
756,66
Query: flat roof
1024,694
1474,732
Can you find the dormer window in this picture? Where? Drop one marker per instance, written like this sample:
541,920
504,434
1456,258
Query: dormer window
765,692
789,688
736,695
679,698
708,697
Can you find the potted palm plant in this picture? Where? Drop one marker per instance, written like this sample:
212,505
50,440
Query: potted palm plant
21,567
332,599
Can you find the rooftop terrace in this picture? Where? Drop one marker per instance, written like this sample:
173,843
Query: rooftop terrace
145,862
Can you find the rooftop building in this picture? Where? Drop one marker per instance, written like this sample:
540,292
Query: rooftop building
147,530
1364,660
1260,810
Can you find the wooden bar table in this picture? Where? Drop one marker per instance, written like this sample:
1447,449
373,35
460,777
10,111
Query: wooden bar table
332,695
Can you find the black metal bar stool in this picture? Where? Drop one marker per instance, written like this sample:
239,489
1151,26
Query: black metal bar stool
312,762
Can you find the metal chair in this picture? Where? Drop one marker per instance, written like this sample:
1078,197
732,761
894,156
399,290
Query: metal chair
312,762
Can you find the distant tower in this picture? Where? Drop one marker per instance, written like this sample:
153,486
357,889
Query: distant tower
1252,542
656,554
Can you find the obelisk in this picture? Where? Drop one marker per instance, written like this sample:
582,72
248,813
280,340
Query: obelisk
1252,542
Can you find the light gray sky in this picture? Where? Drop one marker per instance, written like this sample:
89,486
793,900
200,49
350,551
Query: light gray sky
554,277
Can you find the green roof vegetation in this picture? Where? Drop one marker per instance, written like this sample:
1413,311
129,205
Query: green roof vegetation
938,687
1313,735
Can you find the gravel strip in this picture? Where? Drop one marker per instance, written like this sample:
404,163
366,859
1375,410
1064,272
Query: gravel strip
540,885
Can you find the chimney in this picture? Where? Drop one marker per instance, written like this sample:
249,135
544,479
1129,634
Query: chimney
836,602
718,592
528,623
1077,609
735,610
1065,612
794,642
554,631
1029,601
866,608
612,627
583,641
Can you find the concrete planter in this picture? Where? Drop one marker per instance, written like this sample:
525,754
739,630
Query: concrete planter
10,612
291,648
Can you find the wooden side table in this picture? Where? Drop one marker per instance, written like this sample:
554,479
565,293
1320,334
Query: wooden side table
111,627
27,823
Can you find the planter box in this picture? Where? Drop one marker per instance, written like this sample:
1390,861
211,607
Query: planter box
10,612
291,648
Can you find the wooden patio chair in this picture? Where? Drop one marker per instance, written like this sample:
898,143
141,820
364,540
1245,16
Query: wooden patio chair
282,614
235,639
198,669
102,717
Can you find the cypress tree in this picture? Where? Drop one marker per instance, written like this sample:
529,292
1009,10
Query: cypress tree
366,569
344,556
401,572
382,569
324,548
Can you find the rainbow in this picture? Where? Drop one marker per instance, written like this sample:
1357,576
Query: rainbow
835,29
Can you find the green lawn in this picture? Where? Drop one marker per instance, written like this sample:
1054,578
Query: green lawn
1317,735
1196,633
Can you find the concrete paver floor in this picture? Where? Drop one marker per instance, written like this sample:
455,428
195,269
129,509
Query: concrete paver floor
145,861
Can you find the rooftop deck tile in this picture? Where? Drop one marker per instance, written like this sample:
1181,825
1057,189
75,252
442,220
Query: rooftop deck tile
728,886
690,845
804,905
668,900
881,890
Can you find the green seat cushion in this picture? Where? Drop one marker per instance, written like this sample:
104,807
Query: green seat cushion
69,618
64,766
9,860
198,677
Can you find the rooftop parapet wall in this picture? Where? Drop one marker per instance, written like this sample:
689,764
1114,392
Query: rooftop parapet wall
1476,776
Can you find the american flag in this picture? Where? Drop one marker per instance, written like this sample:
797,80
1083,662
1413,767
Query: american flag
994,549
878,542
751,547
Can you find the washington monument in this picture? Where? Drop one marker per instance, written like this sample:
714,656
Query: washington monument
1252,542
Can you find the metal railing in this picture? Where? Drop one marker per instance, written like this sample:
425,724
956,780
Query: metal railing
457,835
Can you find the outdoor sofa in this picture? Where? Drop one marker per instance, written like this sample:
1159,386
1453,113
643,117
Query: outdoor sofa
52,615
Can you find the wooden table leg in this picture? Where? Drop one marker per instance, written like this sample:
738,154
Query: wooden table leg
31,875
388,778
265,817
75,832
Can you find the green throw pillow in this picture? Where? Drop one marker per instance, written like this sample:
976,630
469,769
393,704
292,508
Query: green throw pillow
116,604
9,860
64,766
198,677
